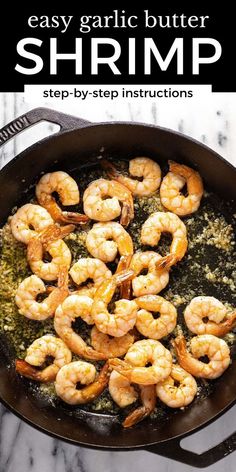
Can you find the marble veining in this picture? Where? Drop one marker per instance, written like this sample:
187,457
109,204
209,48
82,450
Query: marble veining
212,121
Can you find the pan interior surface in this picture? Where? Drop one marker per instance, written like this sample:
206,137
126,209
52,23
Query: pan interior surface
77,152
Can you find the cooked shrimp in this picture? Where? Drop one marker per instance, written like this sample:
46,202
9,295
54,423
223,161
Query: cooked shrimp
161,222
73,307
154,281
173,182
59,252
104,240
110,347
37,354
33,286
25,218
121,391
88,268
177,396
148,399
141,353
208,345
68,192
125,312
49,241
99,208
217,322
85,373
147,324
138,167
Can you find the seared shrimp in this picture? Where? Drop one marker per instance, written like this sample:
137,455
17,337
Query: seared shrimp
104,240
208,345
36,355
173,182
73,307
141,353
111,347
138,167
59,252
121,391
148,399
125,312
209,308
85,373
124,394
99,209
88,268
161,222
177,396
147,324
33,286
68,192
154,281
25,218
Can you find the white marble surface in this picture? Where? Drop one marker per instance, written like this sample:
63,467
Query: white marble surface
210,118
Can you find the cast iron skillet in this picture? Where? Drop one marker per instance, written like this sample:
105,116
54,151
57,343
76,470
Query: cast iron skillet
77,143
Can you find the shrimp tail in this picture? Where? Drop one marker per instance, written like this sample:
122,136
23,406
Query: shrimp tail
227,325
101,382
104,375
90,354
110,169
123,276
125,290
36,245
46,375
48,235
53,232
126,287
60,293
92,391
179,343
127,214
135,417
180,346
166,262
122,367
62,282
25,369
148,398
123,263
66,230
48,202
72,217
34,250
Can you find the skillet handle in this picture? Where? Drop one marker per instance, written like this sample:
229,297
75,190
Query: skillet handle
66,122
173,450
